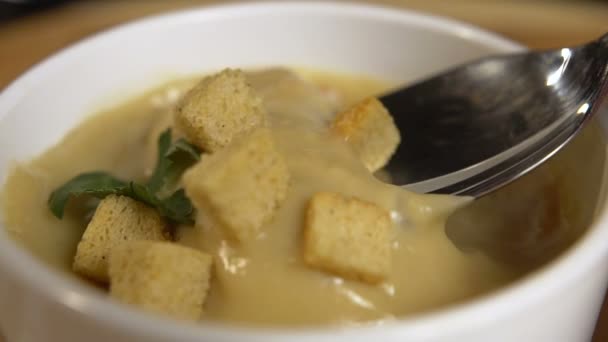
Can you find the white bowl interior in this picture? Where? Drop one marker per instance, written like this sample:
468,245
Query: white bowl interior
102,71
105,70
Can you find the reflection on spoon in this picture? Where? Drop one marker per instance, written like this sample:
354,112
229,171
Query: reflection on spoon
478,127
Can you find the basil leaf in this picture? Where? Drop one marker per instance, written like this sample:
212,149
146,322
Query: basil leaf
173,160
183,148
143,194
156,181
97,184
177,207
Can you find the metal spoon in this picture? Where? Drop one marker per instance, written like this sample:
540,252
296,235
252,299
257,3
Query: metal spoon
477,127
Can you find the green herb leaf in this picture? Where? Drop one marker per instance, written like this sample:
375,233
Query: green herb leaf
156,181
177,207
185,150
97,184
173,160
143,194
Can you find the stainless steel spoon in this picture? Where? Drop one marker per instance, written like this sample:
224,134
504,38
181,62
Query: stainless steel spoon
477,127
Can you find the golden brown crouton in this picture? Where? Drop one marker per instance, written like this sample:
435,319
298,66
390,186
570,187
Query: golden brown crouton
348,237
161,277
369,128
241,185
116,220
219,108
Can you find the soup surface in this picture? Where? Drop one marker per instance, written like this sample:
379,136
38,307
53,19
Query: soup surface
486,245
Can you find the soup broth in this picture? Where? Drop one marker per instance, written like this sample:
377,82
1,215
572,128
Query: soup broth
486,245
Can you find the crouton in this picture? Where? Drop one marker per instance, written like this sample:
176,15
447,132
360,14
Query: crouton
219,108
369,128
348,237
160,277
117,219
240,186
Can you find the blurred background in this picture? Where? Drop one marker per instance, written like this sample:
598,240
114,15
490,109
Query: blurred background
33,29
30,30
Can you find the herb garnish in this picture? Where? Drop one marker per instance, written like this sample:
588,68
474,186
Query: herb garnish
173,160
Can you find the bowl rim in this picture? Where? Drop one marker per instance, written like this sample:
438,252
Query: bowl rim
80,298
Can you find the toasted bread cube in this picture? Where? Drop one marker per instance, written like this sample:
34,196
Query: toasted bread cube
116,220
240,186
219,108
348,237
369,128
161,277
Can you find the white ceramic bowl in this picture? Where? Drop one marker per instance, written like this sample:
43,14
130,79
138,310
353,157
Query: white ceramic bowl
558,303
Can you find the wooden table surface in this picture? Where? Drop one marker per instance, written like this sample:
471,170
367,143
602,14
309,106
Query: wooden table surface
538,24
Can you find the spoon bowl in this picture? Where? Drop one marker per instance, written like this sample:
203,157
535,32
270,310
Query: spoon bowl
477,127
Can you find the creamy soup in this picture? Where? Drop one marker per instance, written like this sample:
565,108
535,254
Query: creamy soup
486,245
